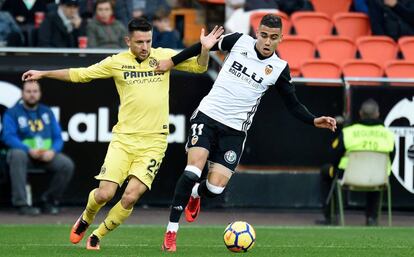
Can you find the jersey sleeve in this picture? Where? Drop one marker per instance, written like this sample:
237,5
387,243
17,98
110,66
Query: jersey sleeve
100,70
226,43
189,65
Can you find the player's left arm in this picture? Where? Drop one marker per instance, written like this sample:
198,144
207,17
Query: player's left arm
296,108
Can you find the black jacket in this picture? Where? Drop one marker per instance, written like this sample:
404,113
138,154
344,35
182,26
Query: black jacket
53,33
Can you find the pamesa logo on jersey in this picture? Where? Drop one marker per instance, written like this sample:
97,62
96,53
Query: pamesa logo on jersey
403,163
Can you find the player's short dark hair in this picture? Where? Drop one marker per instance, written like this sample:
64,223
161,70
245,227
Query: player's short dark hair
139,24
271,21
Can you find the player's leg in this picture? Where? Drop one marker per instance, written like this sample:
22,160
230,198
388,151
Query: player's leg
97,198
112,174
146,154
119,213
217,179
223,161
197,157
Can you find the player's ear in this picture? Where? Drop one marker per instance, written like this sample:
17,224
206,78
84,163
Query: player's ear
281,38
127,41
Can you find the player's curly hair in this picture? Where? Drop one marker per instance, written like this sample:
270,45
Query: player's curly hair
139,24
271,21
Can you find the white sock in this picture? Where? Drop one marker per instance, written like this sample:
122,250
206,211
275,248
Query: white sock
172,226
194,192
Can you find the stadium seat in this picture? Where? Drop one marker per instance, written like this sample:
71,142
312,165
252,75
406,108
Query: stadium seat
366,171
256,17
331,8
377,48
406,45
294,49
312,24
336,48
352,25
317,68
399,69
361,68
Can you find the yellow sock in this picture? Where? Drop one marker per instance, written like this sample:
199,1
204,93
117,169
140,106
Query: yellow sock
116,216
92,208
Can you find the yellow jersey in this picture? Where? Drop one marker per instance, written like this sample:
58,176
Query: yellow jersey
143,93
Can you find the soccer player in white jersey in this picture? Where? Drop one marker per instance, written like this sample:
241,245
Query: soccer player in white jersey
219,125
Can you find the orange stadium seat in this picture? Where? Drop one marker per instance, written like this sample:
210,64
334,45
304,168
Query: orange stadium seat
294,49
377,48
352,25
361,68
399,69
312,24
318,68
256,17
336,48
331,8
406,45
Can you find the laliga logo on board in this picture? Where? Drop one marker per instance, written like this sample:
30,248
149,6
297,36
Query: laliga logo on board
97,125
403,164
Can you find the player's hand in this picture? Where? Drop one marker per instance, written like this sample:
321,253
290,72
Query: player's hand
325,122
32,75
212,38
47,156
164,65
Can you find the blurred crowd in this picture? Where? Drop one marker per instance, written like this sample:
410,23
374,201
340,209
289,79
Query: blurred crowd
83,23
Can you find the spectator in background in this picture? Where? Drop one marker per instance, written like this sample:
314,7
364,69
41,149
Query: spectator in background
23,11
87,8
10,33
104,31
33,135
369,134
127,9
123,11
394,18
63,27
163,34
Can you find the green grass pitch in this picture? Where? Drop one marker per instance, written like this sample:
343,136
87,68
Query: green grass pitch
139,241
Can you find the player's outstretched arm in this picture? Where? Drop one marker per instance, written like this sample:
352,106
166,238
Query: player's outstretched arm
201,48
325,122
52,74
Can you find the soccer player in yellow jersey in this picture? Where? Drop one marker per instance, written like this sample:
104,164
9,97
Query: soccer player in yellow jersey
139,138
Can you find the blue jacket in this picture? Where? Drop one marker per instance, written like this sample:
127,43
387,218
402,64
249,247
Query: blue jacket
31,129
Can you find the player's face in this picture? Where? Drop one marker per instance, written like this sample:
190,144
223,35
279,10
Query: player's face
140,43
268,40
31,93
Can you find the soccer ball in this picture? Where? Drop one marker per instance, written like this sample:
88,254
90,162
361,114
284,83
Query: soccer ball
239,236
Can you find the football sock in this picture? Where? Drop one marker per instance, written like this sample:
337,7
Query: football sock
208,190
92,207
183,191
116,216
172,226
194,192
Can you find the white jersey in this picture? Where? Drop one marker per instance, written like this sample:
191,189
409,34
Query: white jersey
240,85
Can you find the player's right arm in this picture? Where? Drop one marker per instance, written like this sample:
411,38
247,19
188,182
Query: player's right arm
52,74
96,71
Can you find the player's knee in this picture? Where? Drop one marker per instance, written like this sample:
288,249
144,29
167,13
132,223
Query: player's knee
129,199
103,195
192,172
213,190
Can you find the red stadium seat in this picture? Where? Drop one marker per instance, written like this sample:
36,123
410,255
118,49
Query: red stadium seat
406,45
320,69
377,48
256,17
336,48
352,25
312,24
361,68
399,69
294,49
331,8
